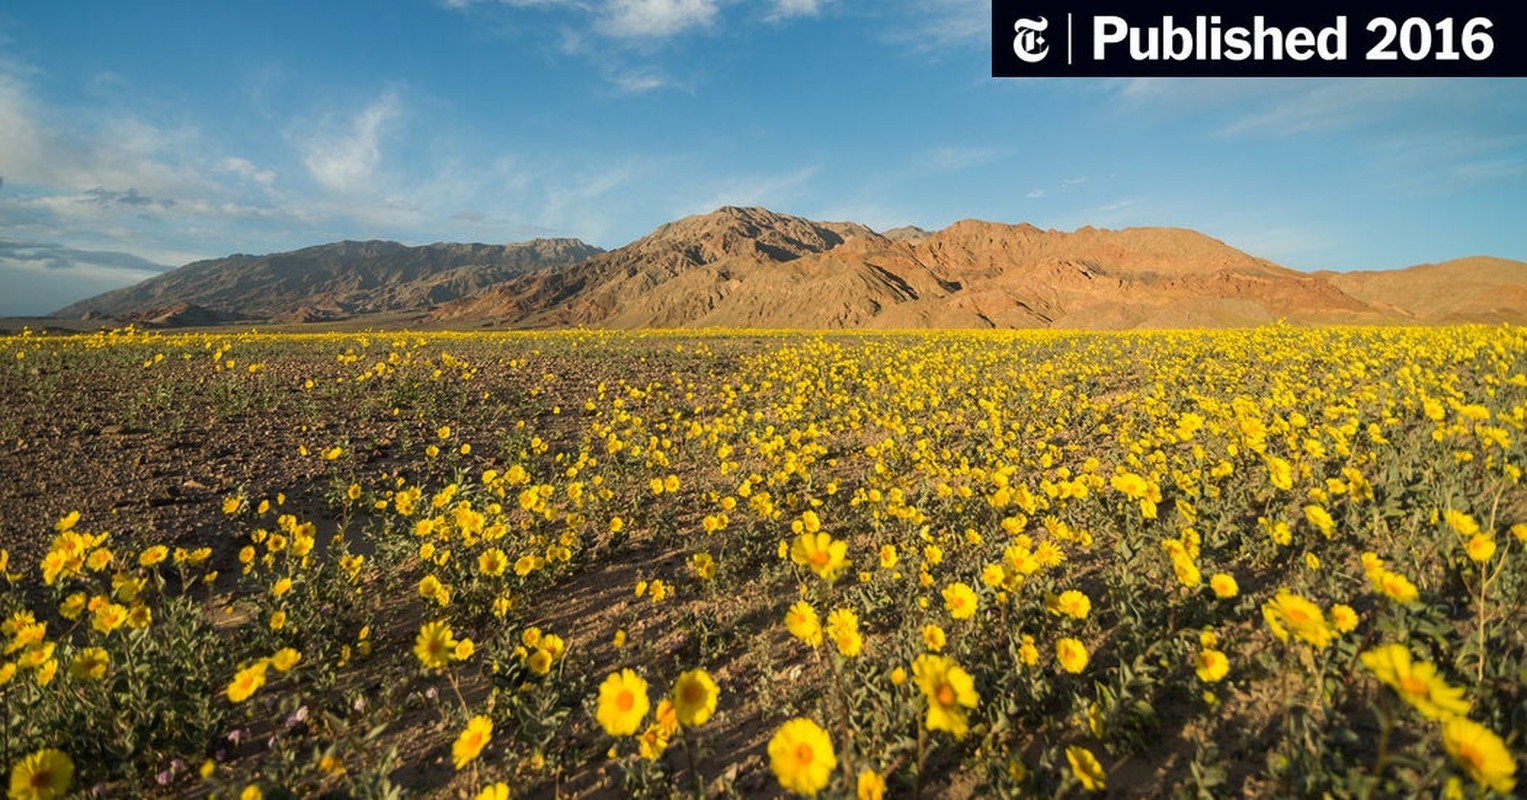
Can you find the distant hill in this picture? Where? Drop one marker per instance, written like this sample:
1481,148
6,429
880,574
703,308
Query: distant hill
1474,289
327,281
752,267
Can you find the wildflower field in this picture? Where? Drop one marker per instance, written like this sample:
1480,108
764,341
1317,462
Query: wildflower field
1280,562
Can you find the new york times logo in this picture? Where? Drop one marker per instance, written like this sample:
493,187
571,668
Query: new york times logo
1189,38
1029,43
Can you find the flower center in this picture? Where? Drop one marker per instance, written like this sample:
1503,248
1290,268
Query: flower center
819,558
693,693
804,755
625,700
42,778
944,695
1413,686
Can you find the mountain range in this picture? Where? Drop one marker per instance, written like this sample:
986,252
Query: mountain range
754,268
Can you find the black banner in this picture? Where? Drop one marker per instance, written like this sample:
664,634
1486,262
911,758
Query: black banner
1098,38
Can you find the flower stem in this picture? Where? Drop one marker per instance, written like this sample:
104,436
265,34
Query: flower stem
689,759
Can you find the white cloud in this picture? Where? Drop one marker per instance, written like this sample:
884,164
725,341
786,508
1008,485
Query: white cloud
656,18
122,153
774,191
941,24
1035,194
246,170
786,9
21,137
640,81
1328,106
345,159
954,159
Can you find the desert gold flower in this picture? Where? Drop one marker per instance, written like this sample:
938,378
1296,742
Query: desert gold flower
1481,753
285,659
801,757
492,562
1417,682
435,644
470,743
246,682
622,703
1130,485
820,553
1343,618
1188,573
1071,654
73,606
843,628
960,600
1028,653
108,617
44,674
1288,613
1085,766
494,791
1070,603
90,664
1321,519
948,691
153,555
1480,548
694,697
1224,585
1393,585
1211,665
653,742
1280,473
934,638
804,624
1461,523
869,785
43,775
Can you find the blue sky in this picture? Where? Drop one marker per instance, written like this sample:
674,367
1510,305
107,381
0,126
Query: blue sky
139,136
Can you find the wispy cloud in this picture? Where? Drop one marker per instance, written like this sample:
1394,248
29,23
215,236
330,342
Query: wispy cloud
640,80
247,171
786,9
131,198
19,254
343,154
773,190
929,25
39,277
656,18
1329,106
954,159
